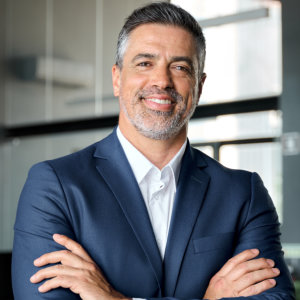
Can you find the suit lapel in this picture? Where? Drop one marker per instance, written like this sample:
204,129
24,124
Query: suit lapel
192,185
114,168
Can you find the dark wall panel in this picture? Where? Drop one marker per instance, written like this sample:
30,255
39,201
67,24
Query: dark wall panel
290,104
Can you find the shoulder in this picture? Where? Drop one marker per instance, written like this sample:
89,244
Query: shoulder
75,162
245,184
215,169
233,181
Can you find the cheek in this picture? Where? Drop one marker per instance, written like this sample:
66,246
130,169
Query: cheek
131,85
185,86
190,100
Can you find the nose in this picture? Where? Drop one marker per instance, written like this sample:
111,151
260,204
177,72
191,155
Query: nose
161,77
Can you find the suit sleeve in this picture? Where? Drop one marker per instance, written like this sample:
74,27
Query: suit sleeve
260,229
42,211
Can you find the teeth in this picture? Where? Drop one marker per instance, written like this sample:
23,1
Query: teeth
160,101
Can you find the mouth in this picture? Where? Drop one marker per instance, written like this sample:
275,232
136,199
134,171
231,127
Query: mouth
159,101
164,104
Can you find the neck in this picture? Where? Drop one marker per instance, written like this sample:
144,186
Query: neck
159,152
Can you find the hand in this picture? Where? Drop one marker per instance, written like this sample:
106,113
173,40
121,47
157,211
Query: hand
76,271
243,276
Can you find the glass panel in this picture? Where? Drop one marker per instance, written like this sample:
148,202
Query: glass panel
19,155
243,56
59,56
25,100
72,46
51,46
265,159
237,126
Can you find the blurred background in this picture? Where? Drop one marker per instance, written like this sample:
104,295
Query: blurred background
56,94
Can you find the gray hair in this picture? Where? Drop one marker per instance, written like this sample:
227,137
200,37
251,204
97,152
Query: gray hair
161,13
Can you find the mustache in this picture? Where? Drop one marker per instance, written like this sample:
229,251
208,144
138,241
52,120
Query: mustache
171,93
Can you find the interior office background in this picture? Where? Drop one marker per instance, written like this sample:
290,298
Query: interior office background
56,94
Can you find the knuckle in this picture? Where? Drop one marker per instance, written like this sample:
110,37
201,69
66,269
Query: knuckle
65,252
246,253
263,261
68,243
232,260
251,290
85,276
225,287
266,273
86,273
266,284
247,277
92,267
252,253
60,277
244,267
78,246
60,267
214,279
249,254
220,283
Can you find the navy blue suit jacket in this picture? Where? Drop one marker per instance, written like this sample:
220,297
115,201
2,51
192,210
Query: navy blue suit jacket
92,197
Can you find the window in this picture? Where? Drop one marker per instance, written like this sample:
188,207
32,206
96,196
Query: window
243,47
243,62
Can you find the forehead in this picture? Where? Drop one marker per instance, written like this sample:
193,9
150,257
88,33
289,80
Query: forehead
161,39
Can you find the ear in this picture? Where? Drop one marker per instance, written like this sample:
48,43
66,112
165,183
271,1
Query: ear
116,80
201,83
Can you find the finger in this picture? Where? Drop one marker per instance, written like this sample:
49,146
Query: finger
71,245
78,286
234,261
258,288
64,257
59,281
54,271
255,277
250,266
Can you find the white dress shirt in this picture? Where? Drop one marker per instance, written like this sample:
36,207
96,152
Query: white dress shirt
158,187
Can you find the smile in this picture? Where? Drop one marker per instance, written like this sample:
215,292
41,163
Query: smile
159,101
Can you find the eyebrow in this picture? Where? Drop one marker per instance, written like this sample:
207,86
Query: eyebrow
186,59
173,58
144,55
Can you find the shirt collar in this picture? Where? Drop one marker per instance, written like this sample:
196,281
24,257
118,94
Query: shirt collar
141,165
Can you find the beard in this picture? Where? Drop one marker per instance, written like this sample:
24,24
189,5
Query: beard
154,124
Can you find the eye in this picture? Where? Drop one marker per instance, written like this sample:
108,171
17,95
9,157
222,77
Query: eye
144,64
182,68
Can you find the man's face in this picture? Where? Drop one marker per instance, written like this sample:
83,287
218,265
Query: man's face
158,86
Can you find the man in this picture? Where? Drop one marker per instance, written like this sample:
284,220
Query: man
141,213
